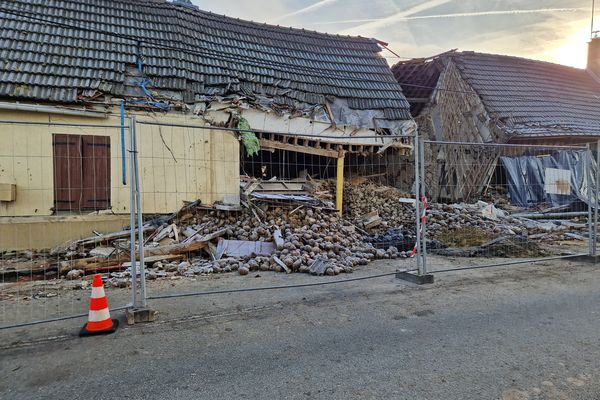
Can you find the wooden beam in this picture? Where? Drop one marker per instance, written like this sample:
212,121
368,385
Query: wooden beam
271,144
94,240
172,249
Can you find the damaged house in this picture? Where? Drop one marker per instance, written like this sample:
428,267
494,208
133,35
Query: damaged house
487,98
191,79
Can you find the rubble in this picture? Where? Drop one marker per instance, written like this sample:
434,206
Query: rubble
302,234
75,274
289,235
367,203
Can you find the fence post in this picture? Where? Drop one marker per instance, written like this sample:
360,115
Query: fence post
596,197
588,174
139,312
140,221
339,185
417,153
423,206
421,277
132,219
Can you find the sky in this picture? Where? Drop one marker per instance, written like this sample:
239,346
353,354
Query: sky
549,30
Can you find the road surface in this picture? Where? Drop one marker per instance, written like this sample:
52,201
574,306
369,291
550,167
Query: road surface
528,332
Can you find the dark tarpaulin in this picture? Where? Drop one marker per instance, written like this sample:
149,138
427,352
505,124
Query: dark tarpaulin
526,175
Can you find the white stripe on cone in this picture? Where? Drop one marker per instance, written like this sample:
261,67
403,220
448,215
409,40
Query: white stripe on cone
97,292
98,316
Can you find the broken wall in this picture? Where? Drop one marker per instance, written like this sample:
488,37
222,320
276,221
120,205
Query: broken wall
457,114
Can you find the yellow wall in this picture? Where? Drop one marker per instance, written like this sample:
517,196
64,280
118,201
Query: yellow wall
204,164
38,233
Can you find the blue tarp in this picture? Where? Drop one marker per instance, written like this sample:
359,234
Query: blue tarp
525,177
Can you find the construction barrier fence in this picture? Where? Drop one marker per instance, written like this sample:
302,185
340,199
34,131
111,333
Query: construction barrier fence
286,203
159,208
505,204
162,208
62,189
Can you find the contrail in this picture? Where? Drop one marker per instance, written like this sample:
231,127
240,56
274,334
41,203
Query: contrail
372,25
313,7
455,15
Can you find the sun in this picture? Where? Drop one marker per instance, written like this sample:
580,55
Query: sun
573,51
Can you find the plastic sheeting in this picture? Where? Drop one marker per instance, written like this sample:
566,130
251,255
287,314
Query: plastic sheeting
526,177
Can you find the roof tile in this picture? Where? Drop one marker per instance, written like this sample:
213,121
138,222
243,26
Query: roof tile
183,49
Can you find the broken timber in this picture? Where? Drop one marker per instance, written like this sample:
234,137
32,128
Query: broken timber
273,145
297,143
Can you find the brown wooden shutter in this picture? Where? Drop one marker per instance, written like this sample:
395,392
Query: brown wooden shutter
68,179
96,172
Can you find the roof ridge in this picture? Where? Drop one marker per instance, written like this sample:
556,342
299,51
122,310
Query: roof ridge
189,53
246,23
458,54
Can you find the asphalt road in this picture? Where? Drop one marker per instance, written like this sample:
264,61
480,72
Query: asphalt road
530,332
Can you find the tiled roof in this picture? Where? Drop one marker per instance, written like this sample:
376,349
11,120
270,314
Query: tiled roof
528,97
418,78
534,97
89,45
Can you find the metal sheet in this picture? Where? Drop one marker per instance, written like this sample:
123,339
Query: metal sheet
242,248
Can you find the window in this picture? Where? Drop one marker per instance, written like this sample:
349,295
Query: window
81,172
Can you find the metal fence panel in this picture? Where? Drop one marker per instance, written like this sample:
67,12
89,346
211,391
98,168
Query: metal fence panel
59,196
205,201
284,215
504,204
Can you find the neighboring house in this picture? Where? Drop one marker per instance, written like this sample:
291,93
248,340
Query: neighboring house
73,61
487,98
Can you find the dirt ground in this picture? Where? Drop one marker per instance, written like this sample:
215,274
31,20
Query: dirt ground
26,301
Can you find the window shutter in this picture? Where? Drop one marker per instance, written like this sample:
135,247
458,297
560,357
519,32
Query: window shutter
68,178
96,172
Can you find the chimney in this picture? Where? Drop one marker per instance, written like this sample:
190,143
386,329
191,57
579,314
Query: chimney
593,60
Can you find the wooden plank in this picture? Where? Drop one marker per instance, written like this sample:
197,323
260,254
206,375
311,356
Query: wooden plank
251,186
282,265
92,264
26,268
212,236
271,144
177,248
153,259
94,240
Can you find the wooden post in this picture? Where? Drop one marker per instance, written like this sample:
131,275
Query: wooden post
339,185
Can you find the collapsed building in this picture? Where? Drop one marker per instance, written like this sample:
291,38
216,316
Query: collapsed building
299,94
233,119
495,99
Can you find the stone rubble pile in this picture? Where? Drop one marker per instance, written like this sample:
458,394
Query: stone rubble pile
378,223
367,197
308,235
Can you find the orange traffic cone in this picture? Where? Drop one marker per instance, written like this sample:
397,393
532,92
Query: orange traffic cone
99,322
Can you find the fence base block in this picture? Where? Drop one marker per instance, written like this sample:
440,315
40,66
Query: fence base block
415,278
587,258
139,315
